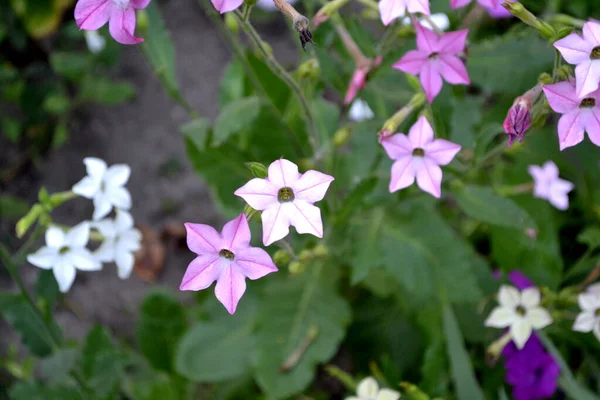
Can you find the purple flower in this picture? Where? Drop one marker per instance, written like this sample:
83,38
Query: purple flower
518,120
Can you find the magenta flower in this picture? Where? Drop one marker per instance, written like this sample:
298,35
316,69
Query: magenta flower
518,120
359,79
549,186
120,15
286,198
226,258
419,156
436,57
389,10
493,7
579,116
224,6
585,53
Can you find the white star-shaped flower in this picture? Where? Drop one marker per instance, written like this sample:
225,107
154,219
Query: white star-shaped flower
368,389
64,253
520,311
360,111
105,186
588,319
121,240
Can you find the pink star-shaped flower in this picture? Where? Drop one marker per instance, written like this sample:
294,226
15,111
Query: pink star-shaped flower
436,57
493,7
226,258
286,198
359,79
579,116
585,53
91,15
419,156
549,186
389,10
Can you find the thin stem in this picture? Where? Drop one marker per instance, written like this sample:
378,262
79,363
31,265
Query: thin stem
349,43
370,4
247,10
287,78
20,255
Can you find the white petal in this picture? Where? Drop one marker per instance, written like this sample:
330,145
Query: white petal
129,241
388,394
283,172
275,225
87,187
102,206
117,175
83,259
585,322
55,237
501,317
78,235
64,272
106,251
597,330
509,296
123,221
588,301
367,388
530,297
538,317
95,167
305,217
44,258
106,227
520,331
125,262
119,197
360,111
595,288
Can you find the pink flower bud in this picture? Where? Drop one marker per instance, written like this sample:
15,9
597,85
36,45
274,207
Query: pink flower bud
518,120
383,134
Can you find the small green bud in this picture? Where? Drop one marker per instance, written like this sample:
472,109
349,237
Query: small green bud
306,164
296,267
281,257
563,32
257,169
142,20
321,251
44,198
413,81
231,22
305,255
565,72
249,212
59,198
545,78
29,219
371,14
309,69
342,136
413,391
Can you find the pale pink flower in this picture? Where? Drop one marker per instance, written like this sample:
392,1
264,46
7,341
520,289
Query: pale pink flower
436,57
419,156
578,115
584,51
389,10
493,7
120,15
549,186
286,198
359,79
226,258
224,6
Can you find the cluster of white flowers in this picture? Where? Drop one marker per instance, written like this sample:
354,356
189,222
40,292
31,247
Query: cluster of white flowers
66,250
588,319
368,389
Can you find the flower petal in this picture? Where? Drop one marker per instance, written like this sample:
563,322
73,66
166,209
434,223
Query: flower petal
106,227
427,40
95,167
520,331
64,272
530,297
421,133
585,322
119,197
102,206
283,173
561,96
92,14
597,330
387,394
441,151
591,124
587,75
391,9
453,42
202,272
121,26
397,146
574,48
305,217
312,186
202,239
588,301
538,317
123,221
403,174
83,259
236,233
260,194
431,80
453,70
224,6
44,258
501,317
125,261
139,4
230,288
87,187
78,235
254,262
508,296
55,237
275,224
418,6
429,176
459,3
367,388
570,129
117,174
357,82
591,33
412,62
106,251
558,195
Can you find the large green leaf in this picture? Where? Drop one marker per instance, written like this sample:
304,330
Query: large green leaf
102,363
232,83
463,375
162,323
197,131
301,324
36,391
235,117
104,91
276,89
59,364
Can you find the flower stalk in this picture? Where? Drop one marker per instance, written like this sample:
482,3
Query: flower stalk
518,10
390,126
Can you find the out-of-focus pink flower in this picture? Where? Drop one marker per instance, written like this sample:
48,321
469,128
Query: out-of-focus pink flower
286,198
359,78
224,6
418,156
493,7
226,258
389,10
549,186
578,115
436,57
584,51
120,15
518,120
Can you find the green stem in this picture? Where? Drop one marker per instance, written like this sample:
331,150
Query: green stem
285,76
247,10
20,255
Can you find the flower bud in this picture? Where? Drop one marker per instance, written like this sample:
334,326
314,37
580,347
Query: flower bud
281,257
257,169
518,10
296,267
327,10
309,69
305,255
29,219
518,120
142,20
231,22
341,137
321,251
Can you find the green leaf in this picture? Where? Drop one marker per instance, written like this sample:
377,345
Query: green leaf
162,323
59,364
327,115
11,129
70,65
161,387
159,49
466,115
61,134
56,104
466,385
276,89
12,207
590,236
102,363
235,117
291,312
197,131
35,391
104,91
484,204
231,87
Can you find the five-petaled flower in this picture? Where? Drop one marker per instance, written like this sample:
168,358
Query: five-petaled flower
286,198
120,15
226,258
105,186
419,156
389,10
584,51
436,57
368,389
549,186
64,253
120,241
588,319
578,115
520,311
